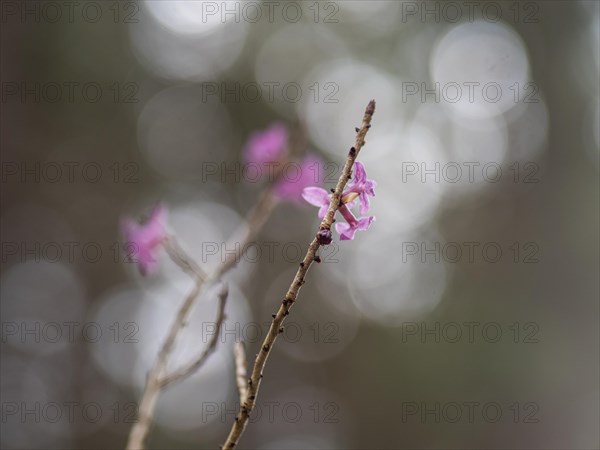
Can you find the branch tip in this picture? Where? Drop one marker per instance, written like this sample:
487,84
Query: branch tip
323,237
371,107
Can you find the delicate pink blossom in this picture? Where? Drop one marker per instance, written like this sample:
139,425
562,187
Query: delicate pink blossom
359,187
318,197
146,238
352,225
267,146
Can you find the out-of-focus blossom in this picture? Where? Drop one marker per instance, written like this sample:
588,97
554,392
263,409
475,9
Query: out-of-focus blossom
309,172
267,146
146,237
360,187
271,146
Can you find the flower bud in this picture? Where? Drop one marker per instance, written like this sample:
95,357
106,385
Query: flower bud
324,237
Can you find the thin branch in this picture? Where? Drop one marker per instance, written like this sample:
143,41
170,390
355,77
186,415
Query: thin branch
322,238
240,369
183,260
194,365
157,375
245,233
139,432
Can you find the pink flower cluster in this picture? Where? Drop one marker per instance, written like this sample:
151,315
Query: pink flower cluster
268,146
359,188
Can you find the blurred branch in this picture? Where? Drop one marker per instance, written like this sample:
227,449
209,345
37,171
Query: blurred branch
192,366
323,237
240,369
157,376
245,233
184,261
139,432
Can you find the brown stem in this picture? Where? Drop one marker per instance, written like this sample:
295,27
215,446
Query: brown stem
248,402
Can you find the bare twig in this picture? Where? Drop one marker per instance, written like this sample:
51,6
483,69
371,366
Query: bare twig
183,260
245,233
157,376
240,369
321,238
194,365
138,433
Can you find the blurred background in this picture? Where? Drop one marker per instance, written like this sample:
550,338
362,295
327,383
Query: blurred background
466,317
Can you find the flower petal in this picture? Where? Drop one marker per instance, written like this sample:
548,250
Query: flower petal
315,196
370,186
345,231
364,223
360,175
364,203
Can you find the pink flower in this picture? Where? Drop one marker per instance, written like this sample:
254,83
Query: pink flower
266,146
293,181
359,187
318,197
146,238
347,230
